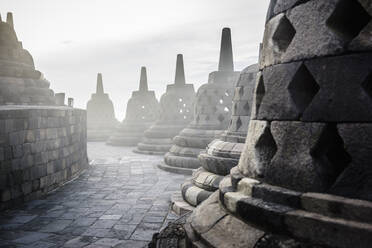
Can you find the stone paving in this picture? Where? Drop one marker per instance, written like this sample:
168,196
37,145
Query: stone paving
120,201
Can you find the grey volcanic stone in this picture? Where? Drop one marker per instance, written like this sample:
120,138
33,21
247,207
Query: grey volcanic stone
304,177
101,119
223,153
142,112
176,111
212,111
311,29
341,79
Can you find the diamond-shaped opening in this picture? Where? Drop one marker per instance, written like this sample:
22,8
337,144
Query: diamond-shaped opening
367,85
238,124
260,93
265,149
302,88
241,91
348,19
283,34
235,106
221,117
246,107
330,152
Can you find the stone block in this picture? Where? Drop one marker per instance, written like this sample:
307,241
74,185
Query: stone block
341,79
260,147
337,207
273,100
327,231
277,195
302,161
353,180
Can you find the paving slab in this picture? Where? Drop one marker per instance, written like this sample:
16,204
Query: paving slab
119,201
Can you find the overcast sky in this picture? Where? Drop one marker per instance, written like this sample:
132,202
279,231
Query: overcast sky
72,40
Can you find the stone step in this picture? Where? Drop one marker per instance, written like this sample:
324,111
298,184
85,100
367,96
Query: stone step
217,165
328,219
194,195
181,162
179,206
206,180
178,170
136,150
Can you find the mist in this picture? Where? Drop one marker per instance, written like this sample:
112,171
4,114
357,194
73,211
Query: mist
71,41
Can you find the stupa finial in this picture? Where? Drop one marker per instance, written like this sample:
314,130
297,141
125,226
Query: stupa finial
180,71
143,80
99,89
226,54
9,19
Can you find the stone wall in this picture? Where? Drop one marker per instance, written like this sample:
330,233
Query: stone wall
40,149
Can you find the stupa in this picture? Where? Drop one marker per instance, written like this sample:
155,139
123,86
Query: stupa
304,177
43,143
176,111
101,119
211,117
223,153
142,112
20,82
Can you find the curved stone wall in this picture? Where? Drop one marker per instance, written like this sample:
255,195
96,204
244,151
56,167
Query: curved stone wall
40,149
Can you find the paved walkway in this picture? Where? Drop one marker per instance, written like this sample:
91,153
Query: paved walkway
120,201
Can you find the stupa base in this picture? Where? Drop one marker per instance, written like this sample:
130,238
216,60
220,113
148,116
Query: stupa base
123,141
177,170
179,206
248,213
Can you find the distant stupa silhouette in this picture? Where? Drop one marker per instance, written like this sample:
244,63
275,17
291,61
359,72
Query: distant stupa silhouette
142,112
176,111
101,119
20,83
211,115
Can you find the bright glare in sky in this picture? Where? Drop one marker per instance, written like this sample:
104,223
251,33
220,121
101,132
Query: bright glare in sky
72,40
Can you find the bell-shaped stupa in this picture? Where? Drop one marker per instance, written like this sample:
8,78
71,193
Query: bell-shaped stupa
20,83
304,178
142,112
223,153
176,112
212,113
101,119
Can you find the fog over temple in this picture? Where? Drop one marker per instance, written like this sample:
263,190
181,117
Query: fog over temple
268,147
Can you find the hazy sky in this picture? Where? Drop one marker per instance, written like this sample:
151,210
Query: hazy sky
72,40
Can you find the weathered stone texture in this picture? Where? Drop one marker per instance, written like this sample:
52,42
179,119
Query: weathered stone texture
304,177
44,150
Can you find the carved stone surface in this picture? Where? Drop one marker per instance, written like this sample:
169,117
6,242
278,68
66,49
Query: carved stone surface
176,111
304,177
223,153
101,119
20,83
213,107
142,112
41,147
